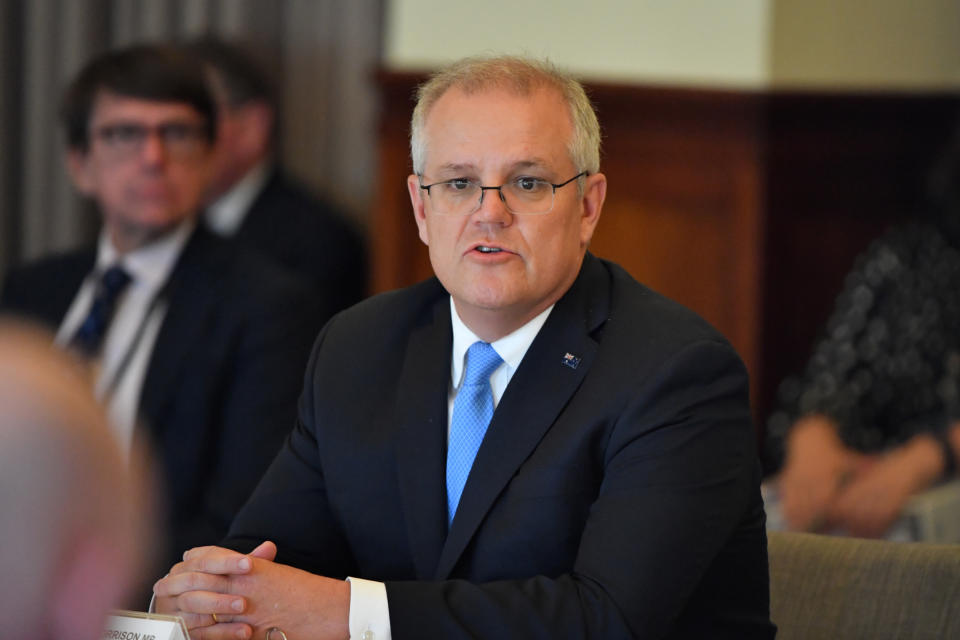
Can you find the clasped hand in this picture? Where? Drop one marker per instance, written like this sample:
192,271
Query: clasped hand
224,594
825,485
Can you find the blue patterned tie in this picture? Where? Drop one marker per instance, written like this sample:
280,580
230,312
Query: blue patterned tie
89,336
472,411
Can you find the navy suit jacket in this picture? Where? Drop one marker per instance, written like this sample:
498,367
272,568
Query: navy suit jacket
219,395
615,495
302,233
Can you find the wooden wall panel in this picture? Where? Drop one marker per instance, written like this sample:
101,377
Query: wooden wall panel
682,214
746,207
398,258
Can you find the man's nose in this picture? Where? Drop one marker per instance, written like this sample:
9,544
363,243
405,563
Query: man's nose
493,206
153,149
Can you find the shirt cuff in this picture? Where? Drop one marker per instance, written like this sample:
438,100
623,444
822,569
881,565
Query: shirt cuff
369,613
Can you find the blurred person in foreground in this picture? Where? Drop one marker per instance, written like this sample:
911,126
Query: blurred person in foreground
254,201
530,445
198,348
74,526
874,418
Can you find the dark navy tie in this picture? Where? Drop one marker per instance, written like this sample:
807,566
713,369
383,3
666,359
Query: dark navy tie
472,411
89,336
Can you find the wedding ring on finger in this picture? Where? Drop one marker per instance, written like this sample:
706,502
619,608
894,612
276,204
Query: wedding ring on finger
215,620
280,634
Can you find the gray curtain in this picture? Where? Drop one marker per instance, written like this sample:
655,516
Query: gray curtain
322,54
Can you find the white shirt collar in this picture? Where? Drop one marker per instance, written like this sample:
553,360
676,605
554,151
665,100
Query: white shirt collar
511,348
226,215
150,265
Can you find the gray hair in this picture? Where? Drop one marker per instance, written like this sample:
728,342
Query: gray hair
518,74
55,440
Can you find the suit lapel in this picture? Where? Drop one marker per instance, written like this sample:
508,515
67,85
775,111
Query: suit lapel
536,395
62,292
421,414
191,304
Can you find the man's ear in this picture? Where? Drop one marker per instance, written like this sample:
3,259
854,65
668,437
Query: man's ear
78,166
594,193
416,199
255,130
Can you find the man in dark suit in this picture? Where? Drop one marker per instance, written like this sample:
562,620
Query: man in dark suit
530,445
254,201
198,350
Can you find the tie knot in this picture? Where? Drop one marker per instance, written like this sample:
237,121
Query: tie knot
481,362
114,280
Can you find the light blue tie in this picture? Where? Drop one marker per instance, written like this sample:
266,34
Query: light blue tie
472,411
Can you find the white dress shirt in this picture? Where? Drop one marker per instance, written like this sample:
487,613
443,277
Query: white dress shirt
226,215
139,312
369,610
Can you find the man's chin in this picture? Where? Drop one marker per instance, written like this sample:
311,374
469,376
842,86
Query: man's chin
133,234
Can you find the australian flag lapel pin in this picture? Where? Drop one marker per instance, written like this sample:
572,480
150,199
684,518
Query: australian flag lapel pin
571,360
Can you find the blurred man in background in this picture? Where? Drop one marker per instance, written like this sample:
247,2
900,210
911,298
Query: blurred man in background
254,201
198,348
74,524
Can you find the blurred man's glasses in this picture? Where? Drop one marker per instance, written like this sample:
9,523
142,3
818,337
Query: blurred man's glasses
180,139
523,195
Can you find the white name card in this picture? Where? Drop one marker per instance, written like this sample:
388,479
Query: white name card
134,625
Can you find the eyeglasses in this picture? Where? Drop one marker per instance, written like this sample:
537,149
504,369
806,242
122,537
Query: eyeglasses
523,195
180,139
